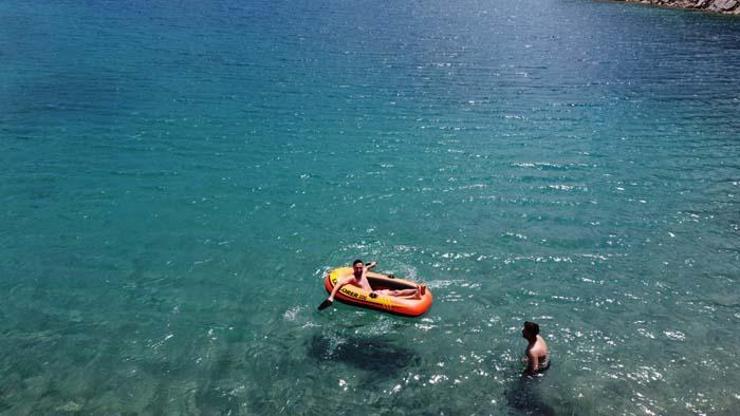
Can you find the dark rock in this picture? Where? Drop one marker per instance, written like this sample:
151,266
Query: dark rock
701,4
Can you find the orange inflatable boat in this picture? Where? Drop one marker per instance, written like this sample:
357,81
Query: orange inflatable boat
393,304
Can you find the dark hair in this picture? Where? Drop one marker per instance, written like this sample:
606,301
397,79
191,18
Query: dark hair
531,328
357,261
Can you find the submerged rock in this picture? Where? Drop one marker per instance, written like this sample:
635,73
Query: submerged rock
70,407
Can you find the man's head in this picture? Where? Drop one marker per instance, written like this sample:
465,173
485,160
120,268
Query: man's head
357,267
531,330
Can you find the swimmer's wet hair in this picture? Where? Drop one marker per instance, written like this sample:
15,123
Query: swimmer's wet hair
532,327
357,261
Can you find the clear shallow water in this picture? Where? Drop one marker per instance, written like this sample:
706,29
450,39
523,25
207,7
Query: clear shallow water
175,179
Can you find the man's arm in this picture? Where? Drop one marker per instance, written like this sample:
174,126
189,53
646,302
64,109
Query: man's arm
533,363
366,268
339,285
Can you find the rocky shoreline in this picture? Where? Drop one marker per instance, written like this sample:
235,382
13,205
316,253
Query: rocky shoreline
731,7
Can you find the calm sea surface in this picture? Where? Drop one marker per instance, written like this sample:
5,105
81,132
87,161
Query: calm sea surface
176,177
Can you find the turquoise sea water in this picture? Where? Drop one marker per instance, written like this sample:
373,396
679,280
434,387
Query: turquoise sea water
176,177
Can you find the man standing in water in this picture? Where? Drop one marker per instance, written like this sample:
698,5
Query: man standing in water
524,394
358,278
538,356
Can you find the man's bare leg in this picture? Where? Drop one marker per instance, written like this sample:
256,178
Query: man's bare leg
417,293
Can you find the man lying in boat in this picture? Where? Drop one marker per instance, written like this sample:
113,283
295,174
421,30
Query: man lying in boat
358,278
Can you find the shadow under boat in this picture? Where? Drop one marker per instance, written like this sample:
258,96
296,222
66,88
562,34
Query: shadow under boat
370,354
